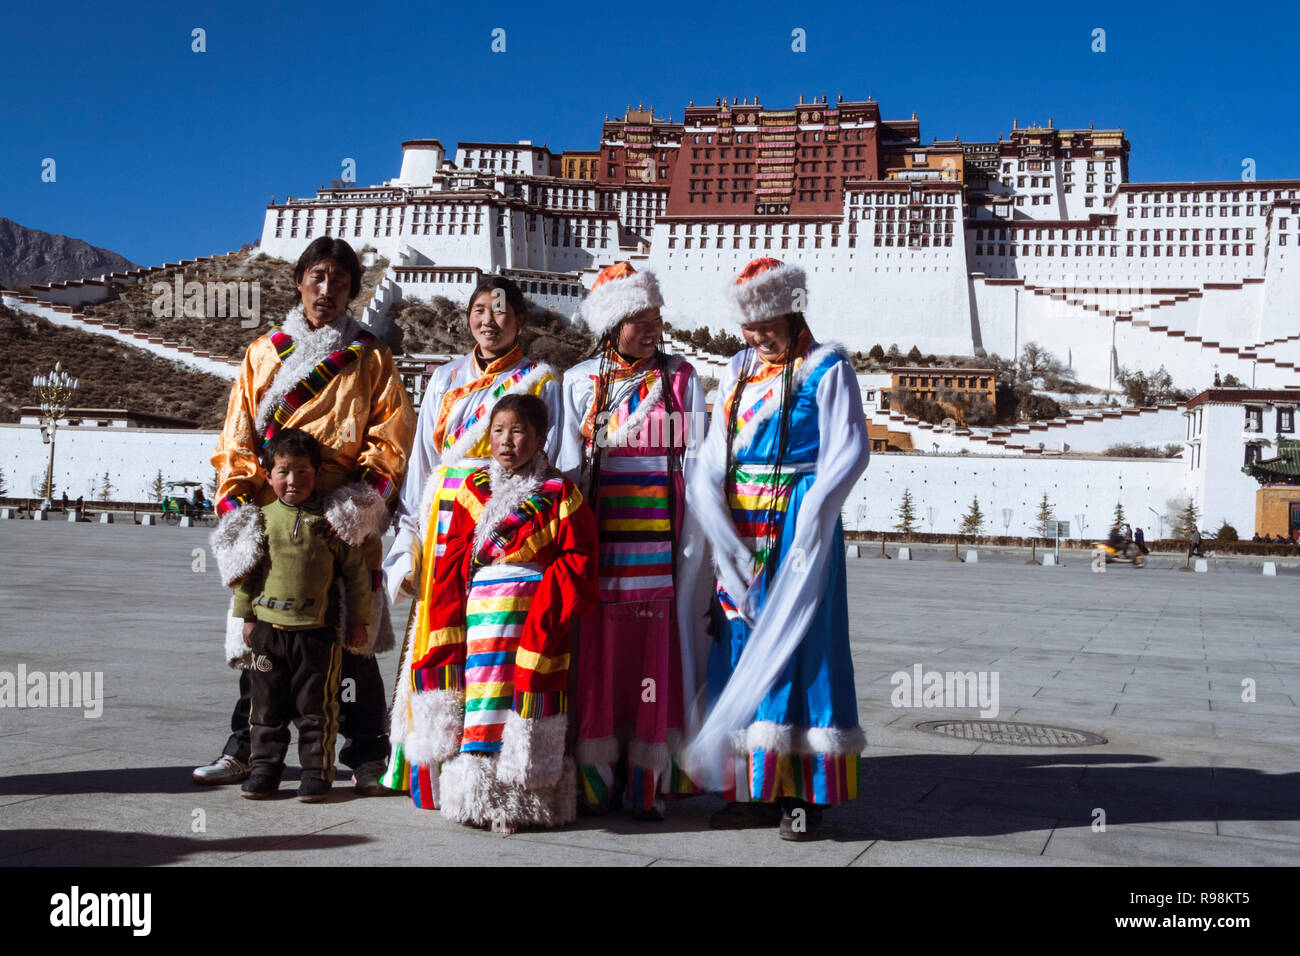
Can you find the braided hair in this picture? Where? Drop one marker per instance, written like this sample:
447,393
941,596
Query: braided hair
798,325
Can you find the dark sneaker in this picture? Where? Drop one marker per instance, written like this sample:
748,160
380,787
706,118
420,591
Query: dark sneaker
746,816
366,778
799,820
313,790
260,786
225,769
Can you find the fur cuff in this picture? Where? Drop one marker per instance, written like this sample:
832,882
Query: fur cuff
237,654
532,750
785,739
650,756
601,750
379,638
437,719
473,794
238,542
356,512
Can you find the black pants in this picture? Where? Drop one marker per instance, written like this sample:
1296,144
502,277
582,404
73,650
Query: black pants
295,676
363,715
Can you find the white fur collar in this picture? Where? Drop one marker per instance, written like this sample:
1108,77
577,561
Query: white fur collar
814,361
459,451
509,491
310,347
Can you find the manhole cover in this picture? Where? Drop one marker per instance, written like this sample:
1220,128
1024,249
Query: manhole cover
1001,732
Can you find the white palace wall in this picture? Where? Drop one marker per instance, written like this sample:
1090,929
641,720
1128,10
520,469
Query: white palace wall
948,483
131,456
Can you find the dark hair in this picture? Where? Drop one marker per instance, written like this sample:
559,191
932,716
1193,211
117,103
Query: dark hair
514,298
290,443
530,408
327,247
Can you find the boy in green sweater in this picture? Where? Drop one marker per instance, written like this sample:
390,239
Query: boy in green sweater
291,624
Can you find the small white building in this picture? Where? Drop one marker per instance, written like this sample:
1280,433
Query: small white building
1228,428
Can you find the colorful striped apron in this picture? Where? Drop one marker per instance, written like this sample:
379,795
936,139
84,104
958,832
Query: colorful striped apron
401,775
495,611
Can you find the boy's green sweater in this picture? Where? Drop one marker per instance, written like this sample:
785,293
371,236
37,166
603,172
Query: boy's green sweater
290,589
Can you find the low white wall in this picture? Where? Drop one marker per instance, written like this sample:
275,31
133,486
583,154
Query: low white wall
947,483
131,456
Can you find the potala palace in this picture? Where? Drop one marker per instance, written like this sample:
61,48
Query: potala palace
953,246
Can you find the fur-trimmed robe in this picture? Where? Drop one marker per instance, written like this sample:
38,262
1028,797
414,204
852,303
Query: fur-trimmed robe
535,518
365,424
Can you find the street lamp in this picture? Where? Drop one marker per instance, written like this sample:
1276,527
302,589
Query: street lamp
55,390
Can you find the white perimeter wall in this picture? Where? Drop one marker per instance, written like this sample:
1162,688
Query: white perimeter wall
132,456
1088,486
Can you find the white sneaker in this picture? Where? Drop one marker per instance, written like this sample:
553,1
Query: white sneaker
225,769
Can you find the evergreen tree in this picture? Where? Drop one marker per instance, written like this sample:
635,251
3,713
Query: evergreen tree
47,488
1185,517
1119,513
973,520
906,514
914,354
877,353
106,488
4,488
1046,513
156,488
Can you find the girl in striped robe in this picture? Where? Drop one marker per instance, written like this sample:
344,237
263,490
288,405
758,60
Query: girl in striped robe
787,443
518,567
629,415
451,442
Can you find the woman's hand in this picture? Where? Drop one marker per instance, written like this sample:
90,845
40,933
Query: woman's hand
248,633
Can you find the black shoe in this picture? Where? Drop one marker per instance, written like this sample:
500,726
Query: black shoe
745,816
313,790
260,786
799,820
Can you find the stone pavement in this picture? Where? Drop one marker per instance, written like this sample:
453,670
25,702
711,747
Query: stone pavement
1152,660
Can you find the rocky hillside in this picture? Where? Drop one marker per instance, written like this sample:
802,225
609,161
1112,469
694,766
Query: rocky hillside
29,255
276,294
112,375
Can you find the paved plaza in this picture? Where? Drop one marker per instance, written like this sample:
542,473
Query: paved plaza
1154,661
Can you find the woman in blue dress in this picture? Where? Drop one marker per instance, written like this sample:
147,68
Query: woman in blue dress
787,443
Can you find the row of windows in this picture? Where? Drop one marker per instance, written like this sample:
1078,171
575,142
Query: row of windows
1130,252
1041,164
736,229
932,381
1255,420
800,242
1195,197
901,199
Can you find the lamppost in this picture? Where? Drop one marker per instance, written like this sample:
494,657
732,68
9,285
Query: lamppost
55,390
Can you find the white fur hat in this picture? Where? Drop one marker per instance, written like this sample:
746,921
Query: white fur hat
767,289
618,292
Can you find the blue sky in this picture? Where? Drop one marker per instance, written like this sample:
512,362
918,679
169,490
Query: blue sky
163,153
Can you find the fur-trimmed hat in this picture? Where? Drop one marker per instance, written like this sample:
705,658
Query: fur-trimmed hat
618,292
767,289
